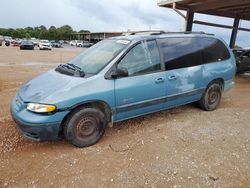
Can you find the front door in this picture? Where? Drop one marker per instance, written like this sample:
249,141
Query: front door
143,90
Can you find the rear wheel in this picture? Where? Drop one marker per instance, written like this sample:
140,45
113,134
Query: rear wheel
211,98
85,127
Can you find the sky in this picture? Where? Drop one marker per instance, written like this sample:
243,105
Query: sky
106,15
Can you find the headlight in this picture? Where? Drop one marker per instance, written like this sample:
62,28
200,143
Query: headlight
41,108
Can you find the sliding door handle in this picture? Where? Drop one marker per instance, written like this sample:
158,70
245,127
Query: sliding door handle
159,80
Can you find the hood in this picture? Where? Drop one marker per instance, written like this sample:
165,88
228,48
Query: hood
45,85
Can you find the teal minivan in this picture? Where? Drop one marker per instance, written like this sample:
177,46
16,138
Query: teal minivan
122,78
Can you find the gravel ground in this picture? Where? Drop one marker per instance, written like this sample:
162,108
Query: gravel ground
181,147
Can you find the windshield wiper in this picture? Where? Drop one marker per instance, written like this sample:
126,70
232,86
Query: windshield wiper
70,69
75,66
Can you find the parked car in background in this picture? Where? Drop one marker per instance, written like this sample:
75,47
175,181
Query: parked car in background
7,43
16,42
8,39
79,43
35,41
45,45
1,40
121,78
27,45
238,51
55,44
242,60
73,43
87,44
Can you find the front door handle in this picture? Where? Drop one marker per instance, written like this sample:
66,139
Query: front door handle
159,80
173,77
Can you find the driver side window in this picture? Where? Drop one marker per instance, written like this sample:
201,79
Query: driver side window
141,59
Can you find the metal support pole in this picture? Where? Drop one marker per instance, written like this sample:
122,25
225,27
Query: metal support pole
234,32
189,20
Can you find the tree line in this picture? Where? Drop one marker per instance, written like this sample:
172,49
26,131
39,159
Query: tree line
52,33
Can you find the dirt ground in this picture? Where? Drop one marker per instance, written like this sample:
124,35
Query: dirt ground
181,147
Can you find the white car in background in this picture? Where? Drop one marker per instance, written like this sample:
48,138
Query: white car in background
35,41
73,43
79,43
45,45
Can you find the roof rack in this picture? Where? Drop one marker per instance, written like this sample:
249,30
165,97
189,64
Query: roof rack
146,32
160,32
191,32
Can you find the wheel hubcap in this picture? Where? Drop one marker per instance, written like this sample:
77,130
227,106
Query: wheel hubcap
213,96
86,127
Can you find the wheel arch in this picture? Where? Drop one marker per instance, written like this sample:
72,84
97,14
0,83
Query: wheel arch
101,105
217,80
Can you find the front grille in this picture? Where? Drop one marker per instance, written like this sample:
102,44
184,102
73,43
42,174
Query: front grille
33,136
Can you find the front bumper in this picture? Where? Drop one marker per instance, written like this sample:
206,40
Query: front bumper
45,47
37,132
38,127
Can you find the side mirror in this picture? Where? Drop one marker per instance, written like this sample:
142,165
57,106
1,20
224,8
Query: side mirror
119,72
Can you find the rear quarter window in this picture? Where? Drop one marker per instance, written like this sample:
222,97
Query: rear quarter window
214,50
188,52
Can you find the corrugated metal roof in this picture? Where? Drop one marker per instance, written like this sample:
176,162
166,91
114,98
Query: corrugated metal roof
229,8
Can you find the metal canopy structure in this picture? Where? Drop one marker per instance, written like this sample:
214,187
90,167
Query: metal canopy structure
236,9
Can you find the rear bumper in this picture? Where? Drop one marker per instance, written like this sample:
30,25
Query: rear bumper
229,85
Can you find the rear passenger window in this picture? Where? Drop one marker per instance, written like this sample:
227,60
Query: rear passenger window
181,52
214,50
188,52
141,59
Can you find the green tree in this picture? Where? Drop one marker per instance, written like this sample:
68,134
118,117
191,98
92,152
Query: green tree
20,33
237,46
43,34
27,36
65,32
53,33
10,32
3,31
84,31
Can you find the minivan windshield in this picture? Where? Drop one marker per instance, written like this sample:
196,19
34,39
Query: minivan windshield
92,60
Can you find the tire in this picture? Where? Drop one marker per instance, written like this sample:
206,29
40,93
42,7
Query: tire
85,127
211,98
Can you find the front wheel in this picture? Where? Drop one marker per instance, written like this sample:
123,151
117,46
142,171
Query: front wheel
211,98
85,127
